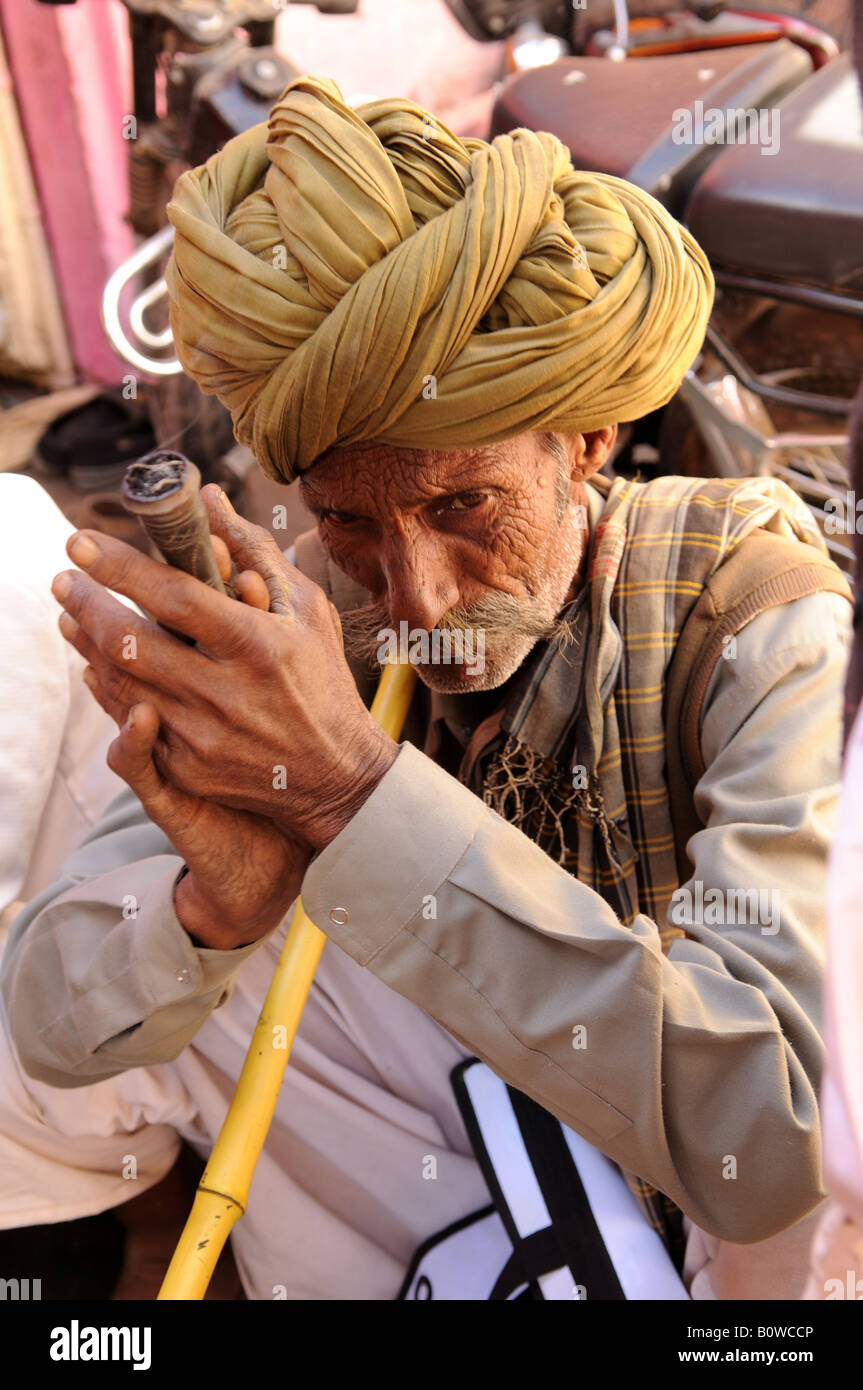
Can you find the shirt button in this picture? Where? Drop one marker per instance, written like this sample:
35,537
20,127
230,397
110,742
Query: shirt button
340,915
181,976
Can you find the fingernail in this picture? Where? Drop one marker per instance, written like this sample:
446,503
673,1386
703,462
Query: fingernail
67,626
83,551
130,718
89,677
62,585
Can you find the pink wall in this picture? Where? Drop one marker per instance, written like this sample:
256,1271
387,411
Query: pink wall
94,35
70,71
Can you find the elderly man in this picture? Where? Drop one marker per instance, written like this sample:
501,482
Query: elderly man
596,862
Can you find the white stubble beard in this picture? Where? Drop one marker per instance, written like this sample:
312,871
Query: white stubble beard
567,545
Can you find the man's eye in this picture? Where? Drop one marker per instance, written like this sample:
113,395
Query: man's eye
340,518
465,502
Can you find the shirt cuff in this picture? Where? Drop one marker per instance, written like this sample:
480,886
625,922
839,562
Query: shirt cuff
396,852
148,964
181,960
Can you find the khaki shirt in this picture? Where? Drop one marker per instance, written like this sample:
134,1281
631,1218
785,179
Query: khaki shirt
700,1068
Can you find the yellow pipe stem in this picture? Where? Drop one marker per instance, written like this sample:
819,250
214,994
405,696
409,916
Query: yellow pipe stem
223,1191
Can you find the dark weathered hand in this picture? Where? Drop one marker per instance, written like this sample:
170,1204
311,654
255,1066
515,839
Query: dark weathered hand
244,872
263,715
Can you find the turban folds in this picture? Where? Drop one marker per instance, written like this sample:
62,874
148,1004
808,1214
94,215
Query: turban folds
342,275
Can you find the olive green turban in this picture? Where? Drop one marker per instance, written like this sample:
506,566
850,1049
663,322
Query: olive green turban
341,275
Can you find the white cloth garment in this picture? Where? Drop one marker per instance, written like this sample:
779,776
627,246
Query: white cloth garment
837,1252
340,1197
344,1191
54,782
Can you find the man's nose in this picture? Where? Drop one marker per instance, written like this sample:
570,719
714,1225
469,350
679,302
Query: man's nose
421,583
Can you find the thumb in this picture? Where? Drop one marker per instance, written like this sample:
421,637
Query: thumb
226,523
251,547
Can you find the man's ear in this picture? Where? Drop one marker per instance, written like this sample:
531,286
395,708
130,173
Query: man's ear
588,452
598,444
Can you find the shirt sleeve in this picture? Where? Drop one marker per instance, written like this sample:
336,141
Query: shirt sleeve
99,974
698,1070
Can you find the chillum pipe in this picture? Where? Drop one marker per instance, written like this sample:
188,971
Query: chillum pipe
163,489
223,1191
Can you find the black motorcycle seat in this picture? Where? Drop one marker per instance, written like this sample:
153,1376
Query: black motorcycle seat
618,118
797,215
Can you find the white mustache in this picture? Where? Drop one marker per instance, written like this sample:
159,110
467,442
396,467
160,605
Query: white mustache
497,615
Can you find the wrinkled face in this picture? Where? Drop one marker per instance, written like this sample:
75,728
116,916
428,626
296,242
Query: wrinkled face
474,551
